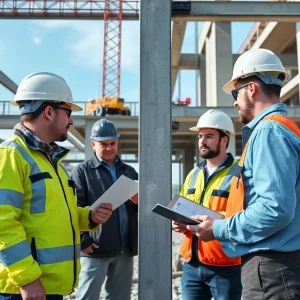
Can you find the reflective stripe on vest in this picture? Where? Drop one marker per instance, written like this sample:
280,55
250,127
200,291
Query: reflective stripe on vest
194,177
15,253
10,197
19,251
225,185
38,202
57,254
236,197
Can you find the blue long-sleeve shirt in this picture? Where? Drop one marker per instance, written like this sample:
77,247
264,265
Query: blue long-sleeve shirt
124,223
271,219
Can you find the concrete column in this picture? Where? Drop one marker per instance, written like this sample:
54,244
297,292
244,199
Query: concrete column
88,150
201,101
189,158
219,64
298,49
155,178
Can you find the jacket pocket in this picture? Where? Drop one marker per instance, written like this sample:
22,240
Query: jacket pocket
218,200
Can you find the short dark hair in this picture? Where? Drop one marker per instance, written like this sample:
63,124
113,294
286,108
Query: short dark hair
223,134
269,90
30,117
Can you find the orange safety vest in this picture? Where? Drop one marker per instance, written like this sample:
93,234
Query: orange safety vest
211,253
236,198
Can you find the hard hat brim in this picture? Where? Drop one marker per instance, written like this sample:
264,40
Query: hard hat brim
196,129
106,138
230,85
74,107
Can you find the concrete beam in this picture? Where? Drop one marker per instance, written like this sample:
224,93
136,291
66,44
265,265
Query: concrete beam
289,89
189,62
205,31
283,33
178,31
227,11
77,134
8,83
73,141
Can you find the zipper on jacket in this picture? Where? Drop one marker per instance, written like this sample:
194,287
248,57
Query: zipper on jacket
70,215
119,222
203,193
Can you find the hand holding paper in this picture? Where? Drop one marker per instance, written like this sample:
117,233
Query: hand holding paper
101,213
135,199
122,190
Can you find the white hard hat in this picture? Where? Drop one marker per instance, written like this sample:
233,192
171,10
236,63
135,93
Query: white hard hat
215,119
43,86
260,62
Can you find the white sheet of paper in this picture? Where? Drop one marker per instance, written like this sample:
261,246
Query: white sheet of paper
189,208
122,190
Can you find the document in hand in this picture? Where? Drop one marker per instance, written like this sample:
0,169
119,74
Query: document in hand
180,210
122,190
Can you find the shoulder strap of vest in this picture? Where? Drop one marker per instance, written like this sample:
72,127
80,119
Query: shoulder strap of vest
194,177
226,182
284,120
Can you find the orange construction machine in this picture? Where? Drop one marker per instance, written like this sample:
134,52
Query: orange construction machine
109,105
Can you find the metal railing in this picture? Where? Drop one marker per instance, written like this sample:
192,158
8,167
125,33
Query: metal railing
7,109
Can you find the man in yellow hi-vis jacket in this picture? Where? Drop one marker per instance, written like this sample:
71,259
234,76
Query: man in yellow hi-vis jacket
39,217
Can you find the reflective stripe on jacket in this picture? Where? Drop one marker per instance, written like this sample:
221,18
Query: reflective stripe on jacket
212,193
39,227
236,198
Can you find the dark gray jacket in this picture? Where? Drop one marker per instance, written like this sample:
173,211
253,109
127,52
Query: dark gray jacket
92,179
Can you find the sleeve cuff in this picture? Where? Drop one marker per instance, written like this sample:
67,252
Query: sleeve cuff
26,276
220,230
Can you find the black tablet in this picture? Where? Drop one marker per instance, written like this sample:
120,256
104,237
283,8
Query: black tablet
173,215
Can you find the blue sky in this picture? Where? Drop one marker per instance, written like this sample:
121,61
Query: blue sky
74,50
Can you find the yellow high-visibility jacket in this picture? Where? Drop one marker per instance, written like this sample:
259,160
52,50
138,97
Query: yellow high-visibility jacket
212,193
39,221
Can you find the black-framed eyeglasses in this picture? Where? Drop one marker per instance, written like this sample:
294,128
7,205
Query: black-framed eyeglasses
68,110
235,92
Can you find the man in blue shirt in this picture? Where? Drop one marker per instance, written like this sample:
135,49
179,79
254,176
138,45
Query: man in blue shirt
107,253
266,233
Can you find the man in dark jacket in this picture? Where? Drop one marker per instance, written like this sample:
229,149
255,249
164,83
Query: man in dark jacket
107,253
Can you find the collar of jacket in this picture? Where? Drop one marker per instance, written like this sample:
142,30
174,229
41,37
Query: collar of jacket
95,162
228,162
247,130
31,142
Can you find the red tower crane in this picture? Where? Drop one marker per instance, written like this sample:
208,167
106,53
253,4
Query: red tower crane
112,48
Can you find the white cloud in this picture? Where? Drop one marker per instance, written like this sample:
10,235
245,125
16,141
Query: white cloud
86,44
36,35
36,40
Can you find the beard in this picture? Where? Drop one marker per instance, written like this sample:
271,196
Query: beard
246,115
63,137
211,153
